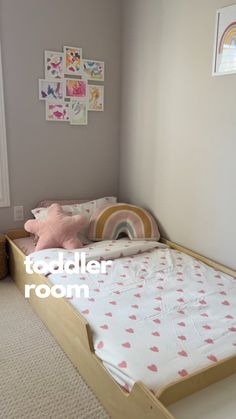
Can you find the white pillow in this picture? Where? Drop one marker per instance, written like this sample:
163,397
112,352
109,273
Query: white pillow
86,209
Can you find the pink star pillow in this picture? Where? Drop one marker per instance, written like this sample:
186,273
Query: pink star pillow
57,230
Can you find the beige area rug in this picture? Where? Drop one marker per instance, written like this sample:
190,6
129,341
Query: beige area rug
37,380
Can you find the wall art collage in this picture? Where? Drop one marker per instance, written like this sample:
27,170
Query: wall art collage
69,88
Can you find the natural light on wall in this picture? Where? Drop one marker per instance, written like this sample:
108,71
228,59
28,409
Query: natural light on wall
4,179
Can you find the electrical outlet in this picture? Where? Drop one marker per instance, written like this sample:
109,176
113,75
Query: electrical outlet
19,213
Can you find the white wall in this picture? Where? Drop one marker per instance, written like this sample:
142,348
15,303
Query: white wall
178,131
55,159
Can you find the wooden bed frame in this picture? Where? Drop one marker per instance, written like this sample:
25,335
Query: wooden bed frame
73,334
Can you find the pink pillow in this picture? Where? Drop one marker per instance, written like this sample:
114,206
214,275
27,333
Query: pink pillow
57,230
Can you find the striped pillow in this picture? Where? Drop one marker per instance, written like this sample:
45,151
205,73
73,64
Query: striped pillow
108,222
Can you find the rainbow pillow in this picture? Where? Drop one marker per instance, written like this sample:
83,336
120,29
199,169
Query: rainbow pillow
108,222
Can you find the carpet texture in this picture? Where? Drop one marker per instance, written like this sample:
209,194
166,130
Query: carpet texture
37,380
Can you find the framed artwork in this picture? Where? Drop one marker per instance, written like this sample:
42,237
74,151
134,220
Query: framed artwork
68,98
224,61
78,112
75,88
93,70
95,97
57,111
73,60
49,89
53,64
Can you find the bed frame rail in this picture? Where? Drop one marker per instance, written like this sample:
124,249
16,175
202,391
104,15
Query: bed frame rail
217,266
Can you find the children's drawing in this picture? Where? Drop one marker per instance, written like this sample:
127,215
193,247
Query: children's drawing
49,89
78,112
93,70
75,88
73,57
96,97
53,65
57,111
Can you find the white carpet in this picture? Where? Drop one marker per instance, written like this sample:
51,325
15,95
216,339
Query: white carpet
37,380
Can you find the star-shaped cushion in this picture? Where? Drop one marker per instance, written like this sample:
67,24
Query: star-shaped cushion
58,230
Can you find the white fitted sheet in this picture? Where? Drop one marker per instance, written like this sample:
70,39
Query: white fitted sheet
156,316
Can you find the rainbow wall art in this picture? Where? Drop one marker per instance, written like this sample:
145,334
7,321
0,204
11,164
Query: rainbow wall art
225,41
228,38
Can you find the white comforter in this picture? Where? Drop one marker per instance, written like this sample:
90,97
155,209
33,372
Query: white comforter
156,316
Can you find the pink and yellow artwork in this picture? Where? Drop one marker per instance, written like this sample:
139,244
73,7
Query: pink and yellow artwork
78,112
75,88
93,70
53,65
57,111
96,97
73,57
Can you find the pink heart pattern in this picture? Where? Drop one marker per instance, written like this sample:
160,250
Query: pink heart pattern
152,368
140,309
183,373
122,364
126,345
100,345
85,312
104,326
210,341
212,358
232,329
154,349
183,353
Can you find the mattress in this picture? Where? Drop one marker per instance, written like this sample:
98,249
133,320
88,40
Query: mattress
157,315
25,244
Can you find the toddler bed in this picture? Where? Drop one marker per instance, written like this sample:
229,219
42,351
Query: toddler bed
160,325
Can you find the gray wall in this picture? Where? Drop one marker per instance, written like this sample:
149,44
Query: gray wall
178,131
178,126
55,159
